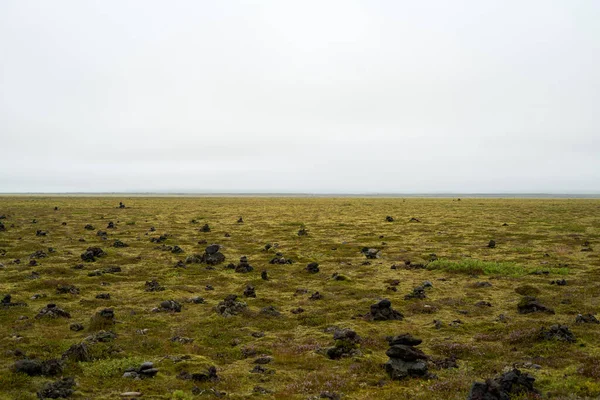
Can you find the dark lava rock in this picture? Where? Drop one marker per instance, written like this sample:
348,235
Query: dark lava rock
31,367
370,253
492,244
302,232
586,319
270,311
51,311
413,219
557,332
389,219
7,302
76,327
417,293
146,370
176,250
404,339
89,227
244,266
316,296
40,233
59,389
298,310
264,275
77,353
312,268
92,253
559,282
205,228
67,289
230,306
209,376
118,243
194,259
346,344
483,304
160,239
240,220
38,254
405,360
111,225
263,360
530,304
102,234
506,386
103,296
169,306
153,286
249,291
101,336
383,311
279,259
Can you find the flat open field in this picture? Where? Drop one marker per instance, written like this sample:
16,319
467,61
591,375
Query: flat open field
282,352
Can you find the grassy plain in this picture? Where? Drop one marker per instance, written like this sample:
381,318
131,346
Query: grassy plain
540,235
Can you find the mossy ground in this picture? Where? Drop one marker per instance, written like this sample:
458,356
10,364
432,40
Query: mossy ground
541,235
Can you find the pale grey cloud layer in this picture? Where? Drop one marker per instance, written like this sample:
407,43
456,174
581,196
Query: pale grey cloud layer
300,96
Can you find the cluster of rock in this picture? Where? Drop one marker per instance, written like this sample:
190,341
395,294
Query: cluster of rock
7,302
383,311
504,387
586,319
230,306
280,259
92,253
211,256
59,389
370,253
530,304
557,332
312,268
243,266
153,286
346,344
405,360
168,306
209,376
146,370
33,367
52,311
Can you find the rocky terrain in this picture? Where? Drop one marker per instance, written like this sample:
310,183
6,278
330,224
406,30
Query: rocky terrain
299,298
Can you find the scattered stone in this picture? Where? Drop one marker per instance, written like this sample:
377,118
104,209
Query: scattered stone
168,306
195,300
559,282
313,268
111,225
557,332
279,259
209,376
102,234
240,220
389,219
38,254
230,306
346,344
405,360
59,389
244,266
205,228
121,205
92,253
160,239
586,319
7,302
76,327
264,275
298,310
316,296
101,336
40,233
153,286
270,311
482,284
383,311
413,219
52,311
370,253
77,353
508,385
530,304
181,339
146,370
177,250
492,244
417,293
303,232
483,304
103,296
89,227
119,244
67,289
34,367
249,291
209,287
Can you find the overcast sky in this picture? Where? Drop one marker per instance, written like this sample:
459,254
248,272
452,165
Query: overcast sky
300,96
